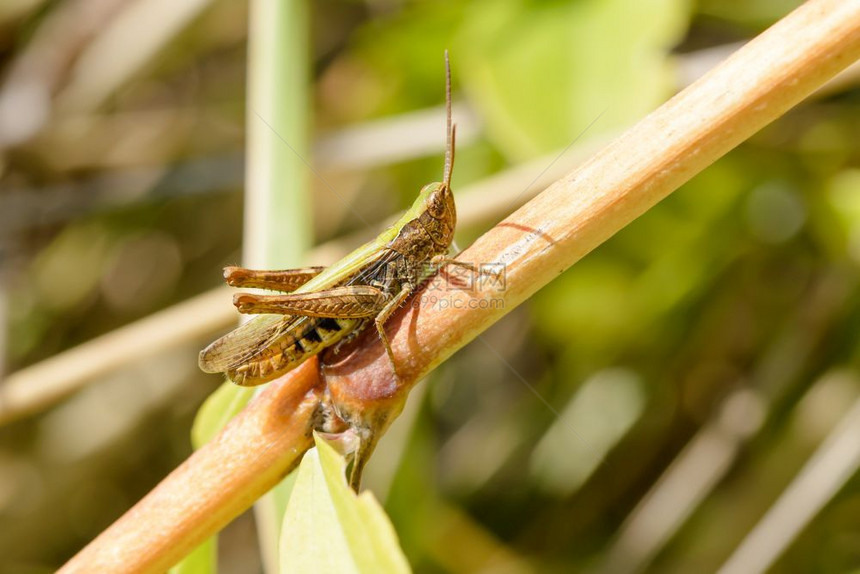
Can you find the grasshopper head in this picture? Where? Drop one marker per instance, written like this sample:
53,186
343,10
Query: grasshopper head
438,202
435,207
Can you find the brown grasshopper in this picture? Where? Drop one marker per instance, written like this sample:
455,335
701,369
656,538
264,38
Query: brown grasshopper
323,307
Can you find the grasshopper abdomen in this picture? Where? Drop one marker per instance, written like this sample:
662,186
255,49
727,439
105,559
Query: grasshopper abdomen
307,338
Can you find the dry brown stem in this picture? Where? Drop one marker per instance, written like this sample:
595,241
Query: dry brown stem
38,386
536,243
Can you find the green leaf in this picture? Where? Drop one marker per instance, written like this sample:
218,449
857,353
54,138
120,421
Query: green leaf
217,410
328,528
202,559
541,72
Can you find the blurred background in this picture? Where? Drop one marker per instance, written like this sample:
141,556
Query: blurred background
686,397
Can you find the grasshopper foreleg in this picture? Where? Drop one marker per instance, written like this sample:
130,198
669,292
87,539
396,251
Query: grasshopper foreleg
440,261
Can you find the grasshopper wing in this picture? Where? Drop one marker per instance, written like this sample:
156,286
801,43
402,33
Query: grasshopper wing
242,344
254,338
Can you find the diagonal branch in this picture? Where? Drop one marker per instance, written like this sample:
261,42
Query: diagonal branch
217,483
536,243
760,82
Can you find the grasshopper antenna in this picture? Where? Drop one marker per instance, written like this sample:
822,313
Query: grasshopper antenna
451,129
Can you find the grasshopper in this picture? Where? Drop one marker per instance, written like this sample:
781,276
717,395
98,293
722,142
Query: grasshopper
324,307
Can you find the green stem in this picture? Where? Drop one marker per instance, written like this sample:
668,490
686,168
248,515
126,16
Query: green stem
277,209
277,202
277,205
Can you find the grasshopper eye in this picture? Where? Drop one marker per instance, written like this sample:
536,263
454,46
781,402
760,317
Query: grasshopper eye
436,204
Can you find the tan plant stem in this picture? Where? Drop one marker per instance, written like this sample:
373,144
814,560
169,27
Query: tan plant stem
536,243
216,484
38,386
577,213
